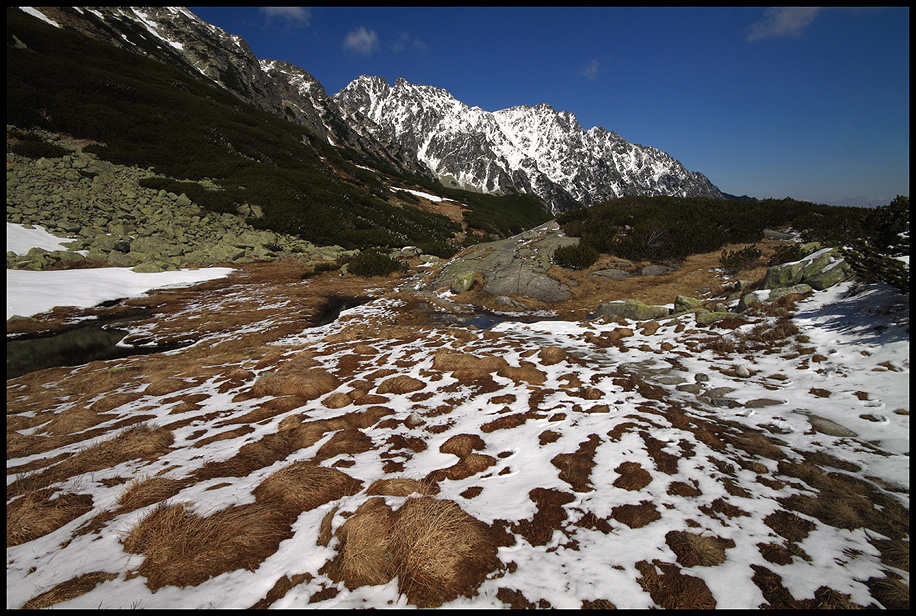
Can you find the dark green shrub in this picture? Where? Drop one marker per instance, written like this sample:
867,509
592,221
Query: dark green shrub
733,261
788,253
36,148
369,263
576,256
874,257
443,250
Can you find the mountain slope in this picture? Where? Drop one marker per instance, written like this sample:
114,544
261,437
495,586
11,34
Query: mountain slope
417,129
522,149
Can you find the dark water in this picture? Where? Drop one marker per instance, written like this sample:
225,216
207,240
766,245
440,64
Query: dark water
73,348
334,306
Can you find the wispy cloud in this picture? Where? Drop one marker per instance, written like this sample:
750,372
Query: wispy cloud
292,15
591,70
783,21
406,41
361,41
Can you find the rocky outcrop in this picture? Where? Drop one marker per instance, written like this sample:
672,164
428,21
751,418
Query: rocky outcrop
113,220
514,266
821,269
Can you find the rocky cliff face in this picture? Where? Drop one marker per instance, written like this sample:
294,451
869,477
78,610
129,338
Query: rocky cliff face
518,150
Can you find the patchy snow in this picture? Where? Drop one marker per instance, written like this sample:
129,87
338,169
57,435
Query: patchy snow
20,239
31,292
36,13
852,369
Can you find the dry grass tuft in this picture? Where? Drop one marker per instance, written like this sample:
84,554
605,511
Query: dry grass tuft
469,366
141,441
442,551
400,385
71,589
36,513
526,372
337,401
164,386
673,590
303,486
402,486
462,444
185,549
73,420
364,557
437,550
551,355
311,384
693,549
144,491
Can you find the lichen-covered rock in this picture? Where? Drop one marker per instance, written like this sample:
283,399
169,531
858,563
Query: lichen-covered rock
817,266
629,309
461,282
683,303
705,318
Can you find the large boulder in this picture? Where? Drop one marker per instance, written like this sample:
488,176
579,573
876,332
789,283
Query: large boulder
514,266
820,269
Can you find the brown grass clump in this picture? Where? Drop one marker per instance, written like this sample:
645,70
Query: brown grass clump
576,468
111,401
551,355
141,441
168,385
526,372
636,516
402,486
364,557
350,440
466,366
145,491
693,549
337,400
311,384
71,589
632,476
400,385
442,551
462,444
36,514
185,549
302,486
467,466
673,590
74,420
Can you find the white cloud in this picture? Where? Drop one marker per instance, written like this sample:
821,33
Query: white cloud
783,21
293,15
591,69
361,41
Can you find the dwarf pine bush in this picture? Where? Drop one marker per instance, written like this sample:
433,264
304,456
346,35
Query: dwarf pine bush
877,256
576,256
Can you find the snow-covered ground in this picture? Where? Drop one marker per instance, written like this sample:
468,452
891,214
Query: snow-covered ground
856,377
31,292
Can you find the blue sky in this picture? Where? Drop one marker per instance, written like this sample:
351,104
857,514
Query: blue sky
810,103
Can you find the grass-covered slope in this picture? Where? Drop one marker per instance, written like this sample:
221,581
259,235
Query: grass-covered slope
148,113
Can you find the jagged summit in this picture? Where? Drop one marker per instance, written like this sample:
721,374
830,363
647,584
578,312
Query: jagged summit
522,149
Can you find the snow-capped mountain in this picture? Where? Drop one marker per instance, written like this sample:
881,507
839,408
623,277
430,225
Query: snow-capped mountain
418,129
522,149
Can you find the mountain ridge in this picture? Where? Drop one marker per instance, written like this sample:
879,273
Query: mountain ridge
576,168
